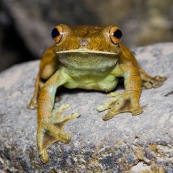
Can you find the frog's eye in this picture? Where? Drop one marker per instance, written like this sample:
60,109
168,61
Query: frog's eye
57,34
115,35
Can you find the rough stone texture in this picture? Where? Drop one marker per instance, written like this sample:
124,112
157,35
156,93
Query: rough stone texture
125,143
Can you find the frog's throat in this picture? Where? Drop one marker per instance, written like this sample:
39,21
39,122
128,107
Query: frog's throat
86,51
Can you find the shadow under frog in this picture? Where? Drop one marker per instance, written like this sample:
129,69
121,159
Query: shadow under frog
90,58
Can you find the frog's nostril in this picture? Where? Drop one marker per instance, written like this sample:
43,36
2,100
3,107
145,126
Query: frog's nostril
83,42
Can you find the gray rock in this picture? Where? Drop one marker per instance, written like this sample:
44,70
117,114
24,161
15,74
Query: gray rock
124,143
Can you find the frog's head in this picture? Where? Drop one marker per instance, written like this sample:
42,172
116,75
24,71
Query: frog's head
90,39
87,47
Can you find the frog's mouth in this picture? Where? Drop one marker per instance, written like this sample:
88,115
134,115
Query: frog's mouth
86,51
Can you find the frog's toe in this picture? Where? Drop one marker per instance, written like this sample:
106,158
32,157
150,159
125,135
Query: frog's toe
153,82
136,111
160,78
44,157
32,104
147,85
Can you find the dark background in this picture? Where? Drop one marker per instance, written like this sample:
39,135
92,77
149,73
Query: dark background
25,25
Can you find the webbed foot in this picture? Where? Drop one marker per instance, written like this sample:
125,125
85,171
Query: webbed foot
124,102
50,130
151,82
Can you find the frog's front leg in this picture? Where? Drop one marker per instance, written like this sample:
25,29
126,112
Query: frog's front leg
51,122
128,101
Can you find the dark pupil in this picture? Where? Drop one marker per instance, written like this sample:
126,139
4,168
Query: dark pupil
55,33
117,34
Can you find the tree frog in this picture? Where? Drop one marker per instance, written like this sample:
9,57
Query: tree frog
90,58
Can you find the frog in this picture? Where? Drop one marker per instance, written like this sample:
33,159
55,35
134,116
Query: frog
89,58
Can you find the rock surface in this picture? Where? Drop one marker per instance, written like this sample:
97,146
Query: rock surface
124,143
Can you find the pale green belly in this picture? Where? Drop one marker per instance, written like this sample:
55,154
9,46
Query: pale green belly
93,83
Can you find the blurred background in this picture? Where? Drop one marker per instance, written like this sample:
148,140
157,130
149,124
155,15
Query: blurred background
25,25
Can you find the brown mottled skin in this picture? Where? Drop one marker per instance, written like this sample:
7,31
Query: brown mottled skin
91,58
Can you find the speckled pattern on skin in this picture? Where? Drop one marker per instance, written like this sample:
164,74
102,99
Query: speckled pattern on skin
118,145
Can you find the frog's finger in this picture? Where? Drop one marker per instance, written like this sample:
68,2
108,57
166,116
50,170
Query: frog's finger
44,157
160,78
32,104
114,94
152,83
116,108
58,118
58,111
63,119
147,85
106,106
72,116
157,84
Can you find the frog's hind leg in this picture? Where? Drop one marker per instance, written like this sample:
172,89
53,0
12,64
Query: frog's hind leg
53,131
149,81
33,102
